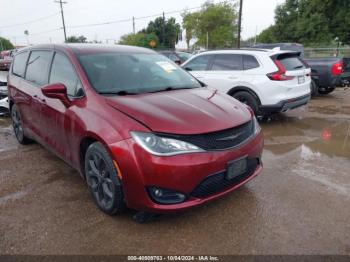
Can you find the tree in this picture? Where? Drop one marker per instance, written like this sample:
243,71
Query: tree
76,39
310,22
188,22
5,44
166,30
215,23
139,39
267,35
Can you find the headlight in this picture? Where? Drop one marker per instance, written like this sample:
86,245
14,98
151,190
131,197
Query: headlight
162,146
257,127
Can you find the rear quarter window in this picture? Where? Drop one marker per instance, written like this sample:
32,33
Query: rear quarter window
291,63
19,64
250,62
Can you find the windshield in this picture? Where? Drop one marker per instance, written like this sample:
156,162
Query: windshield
123,73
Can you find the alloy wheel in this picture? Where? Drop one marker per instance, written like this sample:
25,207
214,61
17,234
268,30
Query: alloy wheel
99,180
17,124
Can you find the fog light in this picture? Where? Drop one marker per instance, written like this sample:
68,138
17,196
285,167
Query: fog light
165,196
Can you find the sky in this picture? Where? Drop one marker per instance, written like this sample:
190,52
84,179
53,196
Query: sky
43,20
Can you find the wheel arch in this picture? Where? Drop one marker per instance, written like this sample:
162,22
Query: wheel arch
88,139
236,89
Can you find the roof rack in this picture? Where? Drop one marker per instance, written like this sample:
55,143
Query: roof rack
237,49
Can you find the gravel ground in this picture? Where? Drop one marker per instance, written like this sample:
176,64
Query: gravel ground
300,204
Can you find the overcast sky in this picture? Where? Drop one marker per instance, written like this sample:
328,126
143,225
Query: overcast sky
257,15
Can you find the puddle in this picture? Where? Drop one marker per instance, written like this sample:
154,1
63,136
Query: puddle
312,148
329,137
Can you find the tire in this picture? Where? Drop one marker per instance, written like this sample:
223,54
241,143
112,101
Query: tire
327,91
102,179
314,88
248,99
17,125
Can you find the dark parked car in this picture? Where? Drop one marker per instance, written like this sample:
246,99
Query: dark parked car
327,73
176,57
143,132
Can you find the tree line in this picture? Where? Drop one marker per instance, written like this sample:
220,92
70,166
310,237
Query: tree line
310,22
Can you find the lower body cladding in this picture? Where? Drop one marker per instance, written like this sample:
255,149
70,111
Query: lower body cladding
175,183
286,105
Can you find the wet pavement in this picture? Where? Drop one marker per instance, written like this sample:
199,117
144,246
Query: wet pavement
300,204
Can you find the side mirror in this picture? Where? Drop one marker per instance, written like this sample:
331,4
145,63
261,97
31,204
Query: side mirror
178,62
188,69
57,91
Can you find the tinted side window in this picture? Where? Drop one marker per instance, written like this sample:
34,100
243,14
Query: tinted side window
199,63
227,62
250,62
19,64
63,72
38,67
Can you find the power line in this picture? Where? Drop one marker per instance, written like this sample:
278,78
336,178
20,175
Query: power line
47,31
31,21
133,19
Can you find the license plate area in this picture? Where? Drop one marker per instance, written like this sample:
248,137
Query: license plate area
236,168
301,80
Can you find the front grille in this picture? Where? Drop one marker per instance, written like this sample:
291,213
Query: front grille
218,140
218,182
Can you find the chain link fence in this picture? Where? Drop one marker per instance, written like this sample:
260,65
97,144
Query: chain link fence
327,52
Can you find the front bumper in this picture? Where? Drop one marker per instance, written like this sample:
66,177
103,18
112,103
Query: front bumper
181,173
285,105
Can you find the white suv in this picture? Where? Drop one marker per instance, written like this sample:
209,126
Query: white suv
267,80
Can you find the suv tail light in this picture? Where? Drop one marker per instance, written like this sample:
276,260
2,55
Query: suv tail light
280,74
337,68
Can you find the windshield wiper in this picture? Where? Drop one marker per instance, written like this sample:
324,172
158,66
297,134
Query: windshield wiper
170,88
119,93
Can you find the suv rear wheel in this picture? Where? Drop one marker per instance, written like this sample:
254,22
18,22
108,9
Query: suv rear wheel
326,91
248,99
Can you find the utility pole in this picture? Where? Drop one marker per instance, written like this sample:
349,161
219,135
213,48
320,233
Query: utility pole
239,24
163,30
207,44
64,26
133,25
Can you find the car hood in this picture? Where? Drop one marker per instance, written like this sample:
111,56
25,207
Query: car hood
194,111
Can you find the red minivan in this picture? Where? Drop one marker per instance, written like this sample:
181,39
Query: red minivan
143,133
